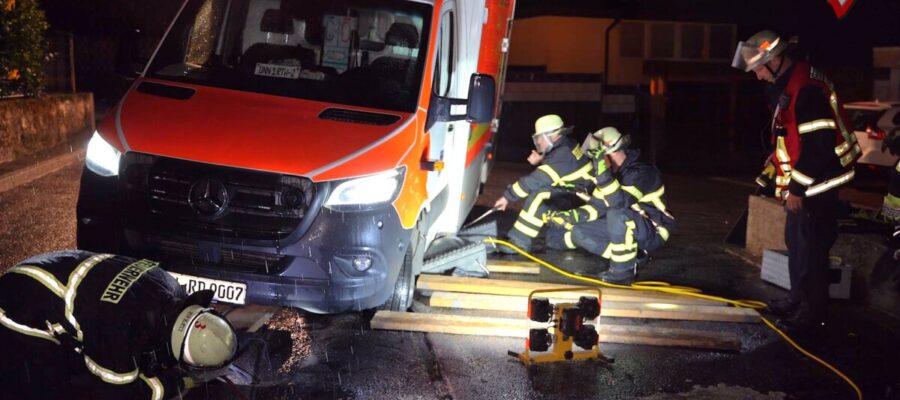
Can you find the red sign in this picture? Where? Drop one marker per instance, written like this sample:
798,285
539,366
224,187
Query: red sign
840,7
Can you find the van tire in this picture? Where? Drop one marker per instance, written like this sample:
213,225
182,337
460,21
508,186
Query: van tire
402,297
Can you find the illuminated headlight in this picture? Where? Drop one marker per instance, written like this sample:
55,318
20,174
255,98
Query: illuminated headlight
101,157
367,191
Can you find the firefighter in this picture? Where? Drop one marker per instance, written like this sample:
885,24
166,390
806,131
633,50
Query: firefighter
75,324
561,165
626,215
814,156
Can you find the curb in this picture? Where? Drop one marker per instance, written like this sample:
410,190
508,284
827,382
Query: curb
39,170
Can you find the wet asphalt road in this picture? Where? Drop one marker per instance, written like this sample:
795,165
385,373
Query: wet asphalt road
350,361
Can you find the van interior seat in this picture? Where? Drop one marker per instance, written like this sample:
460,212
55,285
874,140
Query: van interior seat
277,22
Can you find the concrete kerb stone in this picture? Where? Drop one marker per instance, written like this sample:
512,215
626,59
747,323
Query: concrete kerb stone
30,173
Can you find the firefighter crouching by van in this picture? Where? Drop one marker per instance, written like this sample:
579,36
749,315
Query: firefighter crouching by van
626,214
561,165
81,325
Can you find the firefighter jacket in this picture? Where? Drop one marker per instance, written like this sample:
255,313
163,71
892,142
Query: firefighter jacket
636,185
563,167
814,147
112,311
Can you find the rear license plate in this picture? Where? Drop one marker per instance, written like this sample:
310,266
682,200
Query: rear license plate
229,292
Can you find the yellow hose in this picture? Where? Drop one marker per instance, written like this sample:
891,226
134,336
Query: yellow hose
666,287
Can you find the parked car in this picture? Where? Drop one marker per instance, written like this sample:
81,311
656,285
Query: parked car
874,121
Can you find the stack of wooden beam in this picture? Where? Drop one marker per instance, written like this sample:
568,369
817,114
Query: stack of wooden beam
512,296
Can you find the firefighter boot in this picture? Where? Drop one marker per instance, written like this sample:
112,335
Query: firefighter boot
620,273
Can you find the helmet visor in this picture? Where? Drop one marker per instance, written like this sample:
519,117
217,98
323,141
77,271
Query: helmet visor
748,56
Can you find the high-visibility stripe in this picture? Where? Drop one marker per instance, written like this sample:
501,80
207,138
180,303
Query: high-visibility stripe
525,229
567,237
781,152
42,276
663,232
802,178
582,173
110,376
634,191
825,123
550,172
608,189
829,184
761,182
531,214
897,167
851,155
655,198
75,279
25,330
159,391
531,219
591,212
517,189
842,148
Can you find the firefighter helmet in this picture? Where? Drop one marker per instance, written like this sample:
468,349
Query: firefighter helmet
609,139
548,127
203,338
759,49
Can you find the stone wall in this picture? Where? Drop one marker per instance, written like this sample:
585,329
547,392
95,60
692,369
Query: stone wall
33,124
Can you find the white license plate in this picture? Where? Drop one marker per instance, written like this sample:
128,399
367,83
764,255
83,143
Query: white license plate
277,71
229,292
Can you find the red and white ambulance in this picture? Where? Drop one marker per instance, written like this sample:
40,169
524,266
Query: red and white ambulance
300,152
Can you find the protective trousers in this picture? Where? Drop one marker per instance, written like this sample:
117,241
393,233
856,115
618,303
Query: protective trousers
809,235
529,223
617,236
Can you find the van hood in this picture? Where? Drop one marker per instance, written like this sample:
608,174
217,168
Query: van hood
249,130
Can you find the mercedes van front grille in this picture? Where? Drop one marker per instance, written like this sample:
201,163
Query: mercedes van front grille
176,196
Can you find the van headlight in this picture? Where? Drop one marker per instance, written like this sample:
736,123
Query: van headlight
367,191
101,157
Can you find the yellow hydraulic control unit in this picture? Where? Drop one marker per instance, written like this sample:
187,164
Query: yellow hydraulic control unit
567,324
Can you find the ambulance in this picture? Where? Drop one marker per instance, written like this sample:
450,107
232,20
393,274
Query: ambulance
301,153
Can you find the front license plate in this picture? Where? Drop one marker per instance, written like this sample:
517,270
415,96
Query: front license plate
229,292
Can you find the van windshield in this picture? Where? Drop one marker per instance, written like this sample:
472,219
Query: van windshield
354,52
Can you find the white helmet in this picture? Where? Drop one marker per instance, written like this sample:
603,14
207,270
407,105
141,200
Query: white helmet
202,338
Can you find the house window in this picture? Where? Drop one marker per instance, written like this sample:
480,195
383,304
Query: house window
692,41
662,41
721,42
632,41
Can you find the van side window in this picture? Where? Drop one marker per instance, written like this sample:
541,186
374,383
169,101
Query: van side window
444,69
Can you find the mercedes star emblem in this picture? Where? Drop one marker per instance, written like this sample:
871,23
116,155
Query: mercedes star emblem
208,197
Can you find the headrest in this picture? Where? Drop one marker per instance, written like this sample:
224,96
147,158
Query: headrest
277,21
402,35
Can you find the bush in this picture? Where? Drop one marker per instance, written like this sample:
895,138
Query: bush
22,47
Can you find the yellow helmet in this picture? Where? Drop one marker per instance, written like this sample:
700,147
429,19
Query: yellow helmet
550,124
609,139
203,338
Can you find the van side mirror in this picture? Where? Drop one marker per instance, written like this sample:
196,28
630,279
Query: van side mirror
479,105
482,94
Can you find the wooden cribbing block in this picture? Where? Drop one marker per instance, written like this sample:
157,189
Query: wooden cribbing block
513,267
609,333
622,309
440,283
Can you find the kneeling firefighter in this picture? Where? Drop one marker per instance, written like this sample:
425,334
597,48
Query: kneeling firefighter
561,165
626,212
79,325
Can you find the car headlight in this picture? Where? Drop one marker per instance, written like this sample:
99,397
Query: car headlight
101,157
369,190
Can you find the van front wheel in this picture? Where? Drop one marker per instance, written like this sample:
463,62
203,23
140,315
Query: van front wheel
402,298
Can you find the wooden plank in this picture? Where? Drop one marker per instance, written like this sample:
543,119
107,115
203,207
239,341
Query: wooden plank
683,312
518,328
513,267
440,283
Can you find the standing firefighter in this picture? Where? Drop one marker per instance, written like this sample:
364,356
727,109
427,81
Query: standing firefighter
626,213
814,156
561,166
95,326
